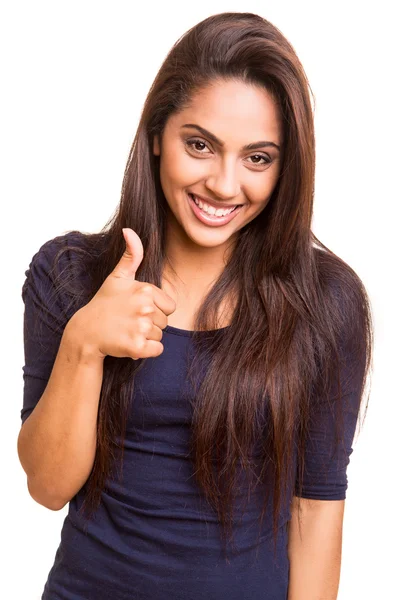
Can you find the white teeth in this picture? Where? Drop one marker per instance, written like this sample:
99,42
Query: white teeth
211,210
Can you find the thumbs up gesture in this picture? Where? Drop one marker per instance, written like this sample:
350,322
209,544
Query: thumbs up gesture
126,317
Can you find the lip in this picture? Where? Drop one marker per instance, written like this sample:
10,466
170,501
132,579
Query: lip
211,220
216,205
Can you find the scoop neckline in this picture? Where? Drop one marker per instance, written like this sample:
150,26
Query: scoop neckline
190,332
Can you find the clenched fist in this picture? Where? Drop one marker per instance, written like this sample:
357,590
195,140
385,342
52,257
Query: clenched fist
126,317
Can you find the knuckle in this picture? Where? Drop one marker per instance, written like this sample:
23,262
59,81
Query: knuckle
145,325
147,309
137,344
147,288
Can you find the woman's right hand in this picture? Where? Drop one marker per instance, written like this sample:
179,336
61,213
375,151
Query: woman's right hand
125,318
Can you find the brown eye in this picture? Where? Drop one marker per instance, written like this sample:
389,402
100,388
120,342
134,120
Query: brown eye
267,159
192,143
196,142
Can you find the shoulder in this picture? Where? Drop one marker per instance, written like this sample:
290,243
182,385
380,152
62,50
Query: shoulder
348,315
50,257
51,250
58,272
344,294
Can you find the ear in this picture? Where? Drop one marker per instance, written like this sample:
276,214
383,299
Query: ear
156,145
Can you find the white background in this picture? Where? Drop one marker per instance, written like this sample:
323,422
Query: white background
74,77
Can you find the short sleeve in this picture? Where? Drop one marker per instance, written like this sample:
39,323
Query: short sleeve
43,323
325,465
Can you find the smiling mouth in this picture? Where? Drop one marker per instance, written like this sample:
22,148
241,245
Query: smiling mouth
210,219
194,198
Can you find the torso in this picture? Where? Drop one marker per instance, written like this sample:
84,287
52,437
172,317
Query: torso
183,318
187,306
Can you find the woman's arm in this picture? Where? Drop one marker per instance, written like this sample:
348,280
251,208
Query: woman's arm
57,442
315,549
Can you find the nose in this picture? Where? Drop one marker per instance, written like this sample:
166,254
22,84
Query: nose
224,183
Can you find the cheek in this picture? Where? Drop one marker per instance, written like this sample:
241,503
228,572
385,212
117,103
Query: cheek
262,195
257,205
191,168
259,198
178,167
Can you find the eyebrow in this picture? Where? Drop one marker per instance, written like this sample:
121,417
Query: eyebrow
253,146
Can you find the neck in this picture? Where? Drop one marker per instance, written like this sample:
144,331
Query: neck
190,267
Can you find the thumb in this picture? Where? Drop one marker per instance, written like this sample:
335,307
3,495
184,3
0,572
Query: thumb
132,257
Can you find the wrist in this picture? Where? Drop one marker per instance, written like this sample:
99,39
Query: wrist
77,343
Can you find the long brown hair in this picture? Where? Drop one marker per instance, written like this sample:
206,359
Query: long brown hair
299,304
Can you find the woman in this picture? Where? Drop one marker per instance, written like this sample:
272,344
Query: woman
215,464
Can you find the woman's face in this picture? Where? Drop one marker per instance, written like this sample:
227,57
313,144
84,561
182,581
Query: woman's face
213,163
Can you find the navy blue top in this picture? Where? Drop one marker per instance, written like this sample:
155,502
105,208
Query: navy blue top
153,536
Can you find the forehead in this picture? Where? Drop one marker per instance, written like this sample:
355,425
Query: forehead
233,110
